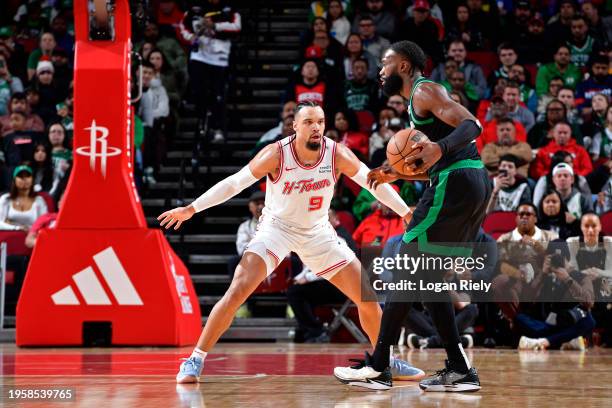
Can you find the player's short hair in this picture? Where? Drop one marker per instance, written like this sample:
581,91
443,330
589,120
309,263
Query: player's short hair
410,51
305,104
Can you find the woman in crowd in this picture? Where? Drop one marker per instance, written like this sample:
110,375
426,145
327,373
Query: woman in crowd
20,207
45,177
595,121
340,27
552,216
353,50
345,123
171,79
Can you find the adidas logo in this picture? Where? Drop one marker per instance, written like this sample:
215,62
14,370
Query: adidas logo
92,290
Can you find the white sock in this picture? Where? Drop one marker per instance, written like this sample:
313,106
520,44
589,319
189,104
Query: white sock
199,353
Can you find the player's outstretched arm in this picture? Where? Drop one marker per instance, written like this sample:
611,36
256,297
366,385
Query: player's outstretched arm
347,163
266,161
433,98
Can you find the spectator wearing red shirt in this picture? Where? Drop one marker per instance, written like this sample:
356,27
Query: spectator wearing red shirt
498,110
345,123
378,227
562,140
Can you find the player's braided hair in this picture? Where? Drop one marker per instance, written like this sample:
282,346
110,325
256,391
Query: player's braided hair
412,52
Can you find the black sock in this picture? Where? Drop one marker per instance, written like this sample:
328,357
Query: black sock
443,316
394,315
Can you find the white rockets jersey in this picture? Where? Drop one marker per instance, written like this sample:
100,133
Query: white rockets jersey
300,196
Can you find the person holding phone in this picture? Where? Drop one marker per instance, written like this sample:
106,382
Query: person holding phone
509,188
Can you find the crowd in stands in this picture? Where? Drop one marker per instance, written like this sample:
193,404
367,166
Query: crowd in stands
537,75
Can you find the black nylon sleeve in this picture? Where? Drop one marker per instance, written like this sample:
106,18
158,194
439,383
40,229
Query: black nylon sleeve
463,135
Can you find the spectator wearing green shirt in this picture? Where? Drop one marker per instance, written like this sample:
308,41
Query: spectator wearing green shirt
365,203
561,67
47,45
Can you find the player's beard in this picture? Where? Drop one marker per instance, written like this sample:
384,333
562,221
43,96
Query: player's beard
315,146
393,85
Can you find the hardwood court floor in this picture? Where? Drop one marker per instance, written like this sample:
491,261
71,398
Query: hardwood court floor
288,375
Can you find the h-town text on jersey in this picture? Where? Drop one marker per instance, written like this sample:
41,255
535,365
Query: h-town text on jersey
302,186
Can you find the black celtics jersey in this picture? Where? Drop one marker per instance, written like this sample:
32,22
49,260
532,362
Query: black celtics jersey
436,130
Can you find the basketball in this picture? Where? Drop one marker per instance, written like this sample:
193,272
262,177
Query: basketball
400,147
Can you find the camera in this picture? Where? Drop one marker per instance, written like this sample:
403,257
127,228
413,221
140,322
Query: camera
557,261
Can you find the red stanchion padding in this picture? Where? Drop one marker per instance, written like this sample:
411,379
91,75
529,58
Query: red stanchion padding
101,263
118,276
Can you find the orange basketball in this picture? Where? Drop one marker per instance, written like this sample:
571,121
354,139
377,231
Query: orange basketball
400,147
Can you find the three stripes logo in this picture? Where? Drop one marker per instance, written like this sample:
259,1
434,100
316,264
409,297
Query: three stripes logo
92,290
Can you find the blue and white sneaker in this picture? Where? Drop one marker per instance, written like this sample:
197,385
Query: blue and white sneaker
402,371
190,370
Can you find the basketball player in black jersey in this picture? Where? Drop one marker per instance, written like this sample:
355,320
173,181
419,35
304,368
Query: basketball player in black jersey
446,219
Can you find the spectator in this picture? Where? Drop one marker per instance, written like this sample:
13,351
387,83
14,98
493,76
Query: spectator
591,255
497,111
45,178
598,82
353,50
604,198
340,27
272,134
8,85
59,29
473,72
169,46
383,20
46,46
372,41
576,202
562,140
329,53
554,86
567,96
601,147
309,290
545,182
378,227
559,30
580,43
553,215
62,72
496,92
14,53
286,130
517,24
518,74
506,52
154,95
318,25
561,67
170,78
61,155
463,28
365,203
595,122
20,207
457,83
521,255
19,144
398,103
318,9
598,27
345,123
19,103
311,87
384,130
506,143
211,39
145,49
512,98
541,134
169,17
247,229
361,93
486,17
49,94
422,30
531,45
460,98
509,188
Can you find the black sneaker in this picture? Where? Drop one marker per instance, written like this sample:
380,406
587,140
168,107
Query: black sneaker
448,380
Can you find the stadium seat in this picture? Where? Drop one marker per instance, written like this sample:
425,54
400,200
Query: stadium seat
486,59
278,281
606,223
366,120
48,200
347,221
15,242
499,222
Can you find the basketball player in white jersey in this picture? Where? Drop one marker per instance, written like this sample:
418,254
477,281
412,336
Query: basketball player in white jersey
301,171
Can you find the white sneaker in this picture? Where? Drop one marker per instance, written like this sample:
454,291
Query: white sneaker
526,343
577,343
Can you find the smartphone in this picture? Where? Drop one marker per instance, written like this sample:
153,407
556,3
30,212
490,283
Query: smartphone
503,173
